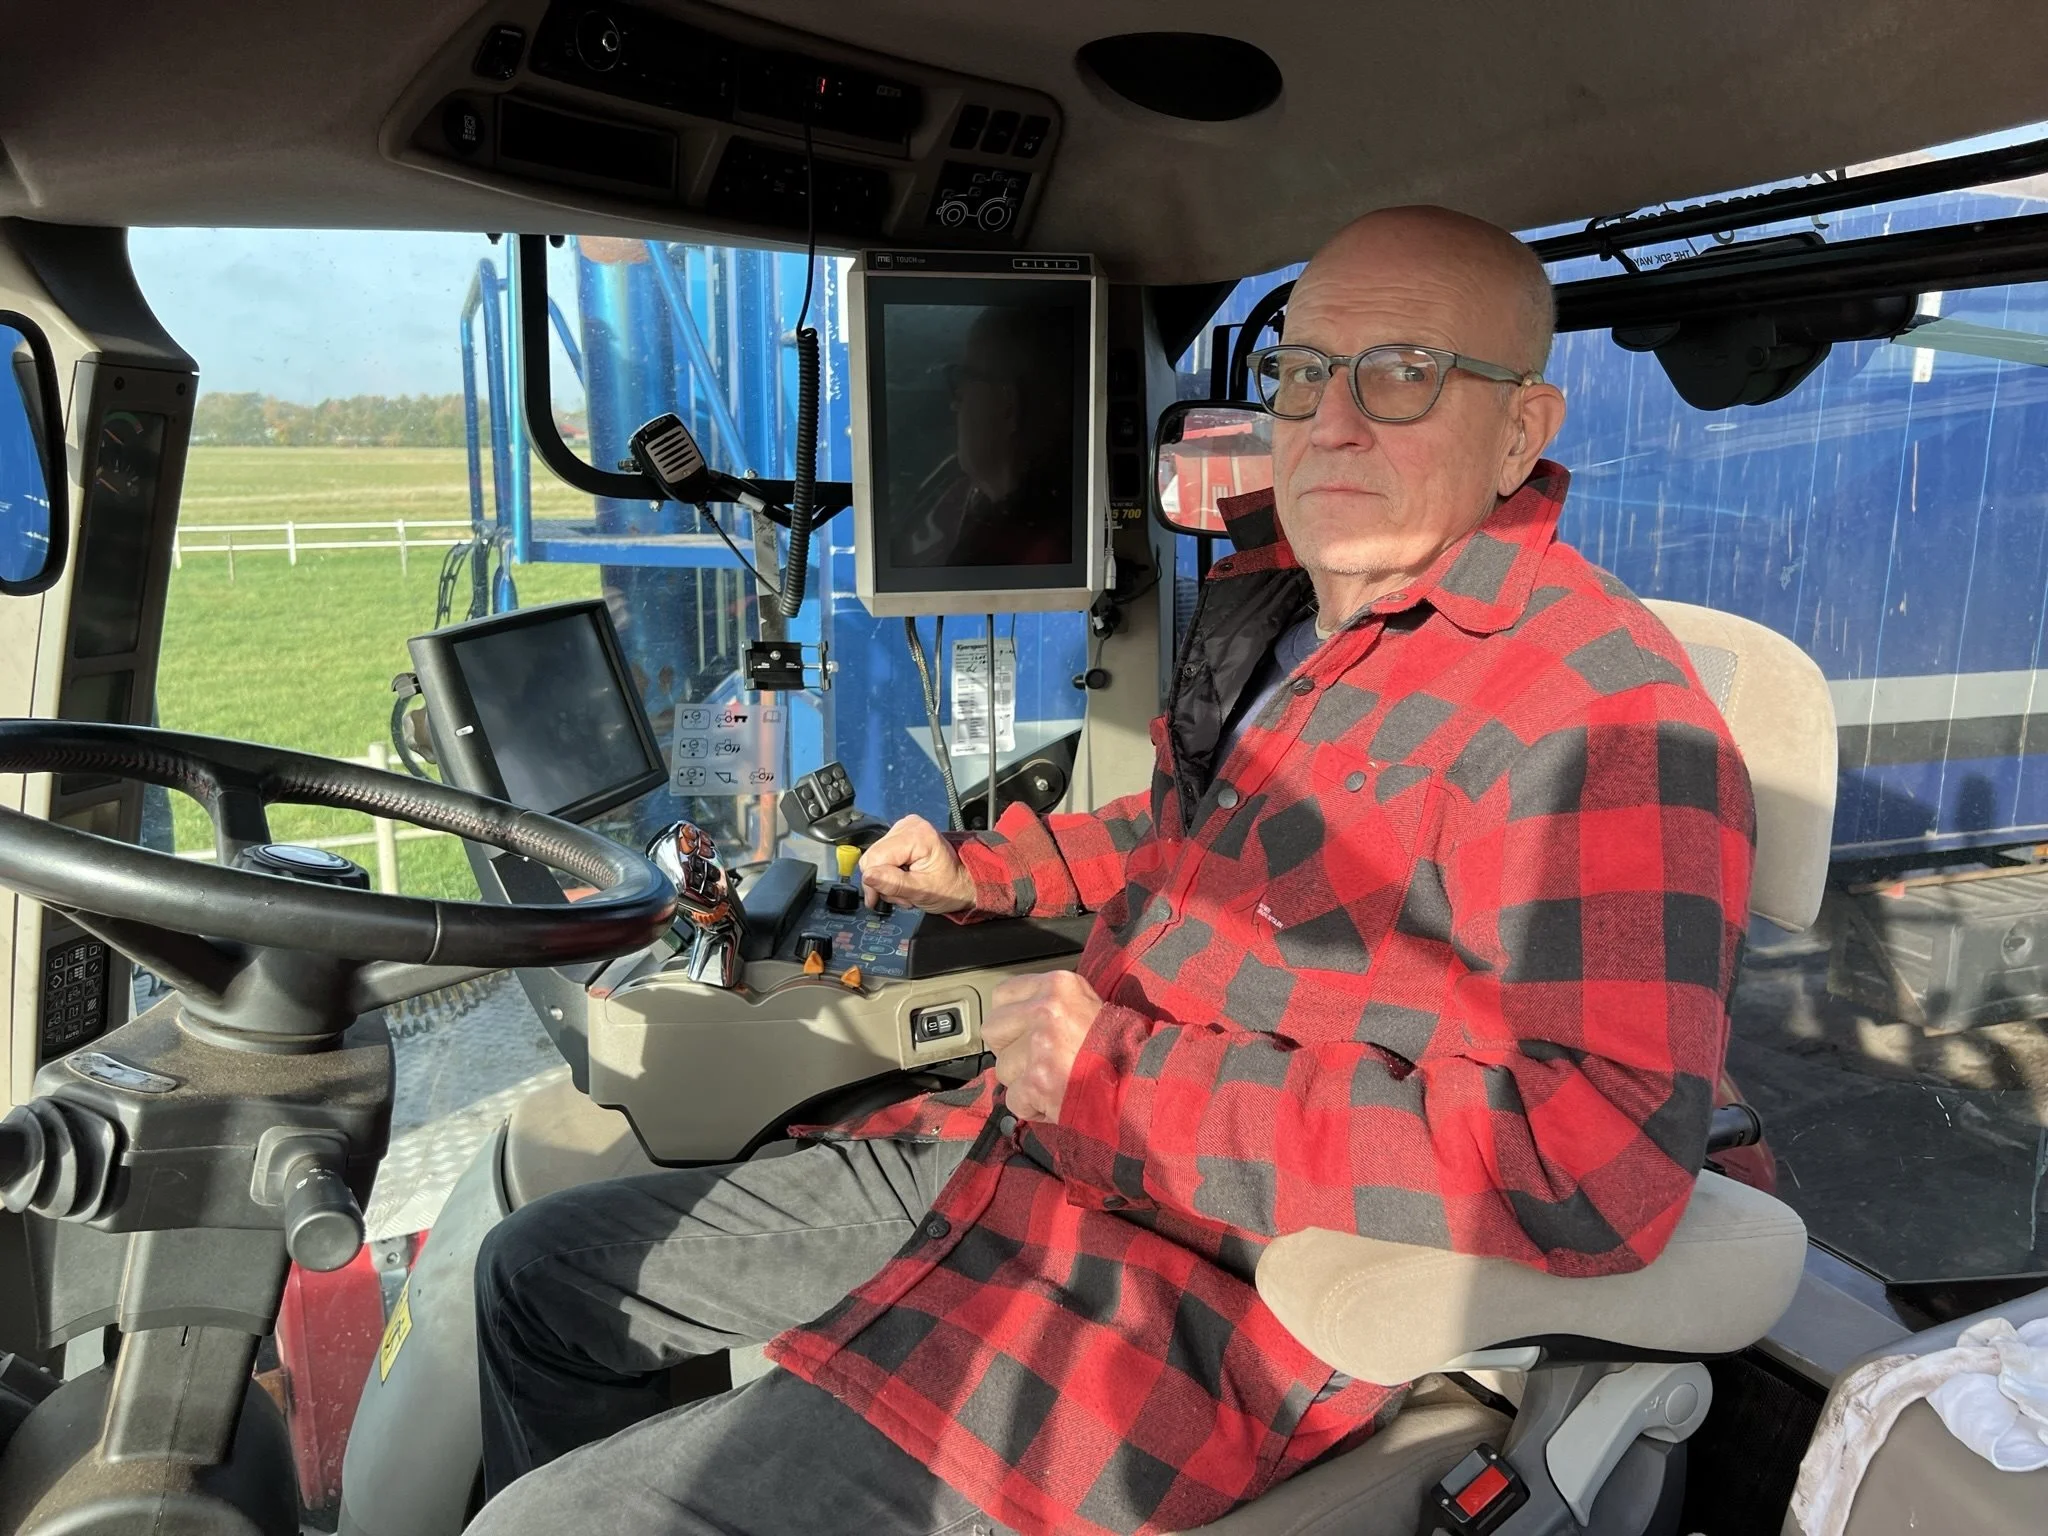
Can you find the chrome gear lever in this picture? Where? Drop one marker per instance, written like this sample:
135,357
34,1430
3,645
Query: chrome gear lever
685,853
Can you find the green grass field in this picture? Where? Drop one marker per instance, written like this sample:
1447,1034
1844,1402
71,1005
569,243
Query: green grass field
303,655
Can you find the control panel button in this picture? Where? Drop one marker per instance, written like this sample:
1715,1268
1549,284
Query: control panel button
498,57
967,127
842,899
1031,137
1002,133
462,125
944,1021
814,946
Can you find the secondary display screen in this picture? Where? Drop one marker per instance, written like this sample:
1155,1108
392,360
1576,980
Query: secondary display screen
979,410
553,712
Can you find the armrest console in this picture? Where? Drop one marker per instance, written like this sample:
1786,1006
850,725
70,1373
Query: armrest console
1390,1312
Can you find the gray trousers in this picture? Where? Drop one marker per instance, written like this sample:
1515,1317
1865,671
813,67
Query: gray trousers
586,1299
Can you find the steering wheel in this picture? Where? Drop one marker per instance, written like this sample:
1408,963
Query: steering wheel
285,956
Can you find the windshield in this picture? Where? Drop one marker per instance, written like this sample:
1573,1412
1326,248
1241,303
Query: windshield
643,327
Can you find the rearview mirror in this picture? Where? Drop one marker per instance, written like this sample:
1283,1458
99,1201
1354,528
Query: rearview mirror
1209,450
35,518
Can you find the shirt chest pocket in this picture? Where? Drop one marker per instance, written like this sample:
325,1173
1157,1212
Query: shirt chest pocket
1341,834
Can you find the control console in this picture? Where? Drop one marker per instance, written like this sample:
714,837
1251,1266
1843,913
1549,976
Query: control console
903,944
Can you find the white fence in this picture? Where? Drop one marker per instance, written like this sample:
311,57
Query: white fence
383,836
289,539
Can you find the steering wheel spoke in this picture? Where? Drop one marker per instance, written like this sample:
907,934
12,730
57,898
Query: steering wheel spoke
381,983
197,967
240,819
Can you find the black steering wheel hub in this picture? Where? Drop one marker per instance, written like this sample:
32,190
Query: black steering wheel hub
297,862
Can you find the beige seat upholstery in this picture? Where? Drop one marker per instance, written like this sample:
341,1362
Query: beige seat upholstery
1777,705
1388,1312
1391,1312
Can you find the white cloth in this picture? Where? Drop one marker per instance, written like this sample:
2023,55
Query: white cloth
1991,1390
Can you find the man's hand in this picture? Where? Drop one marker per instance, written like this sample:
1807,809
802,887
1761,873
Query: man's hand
1035,1025
913,865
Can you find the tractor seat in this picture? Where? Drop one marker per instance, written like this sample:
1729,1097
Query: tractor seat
1604,1373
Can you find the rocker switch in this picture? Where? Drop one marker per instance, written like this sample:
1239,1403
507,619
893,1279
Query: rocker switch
944,1022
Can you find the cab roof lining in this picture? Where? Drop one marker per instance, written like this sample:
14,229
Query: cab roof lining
250,113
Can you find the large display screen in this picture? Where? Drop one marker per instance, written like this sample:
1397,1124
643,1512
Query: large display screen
978,433
553,712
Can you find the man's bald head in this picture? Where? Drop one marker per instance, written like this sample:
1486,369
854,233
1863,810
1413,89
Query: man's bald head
1506,291
1368,504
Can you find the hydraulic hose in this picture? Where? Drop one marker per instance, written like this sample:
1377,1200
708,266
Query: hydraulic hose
803,503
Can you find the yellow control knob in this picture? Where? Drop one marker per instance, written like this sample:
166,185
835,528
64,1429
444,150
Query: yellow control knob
849,860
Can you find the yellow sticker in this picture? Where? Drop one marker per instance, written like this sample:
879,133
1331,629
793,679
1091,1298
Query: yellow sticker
396,1332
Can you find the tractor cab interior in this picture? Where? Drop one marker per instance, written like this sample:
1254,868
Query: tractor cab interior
660,790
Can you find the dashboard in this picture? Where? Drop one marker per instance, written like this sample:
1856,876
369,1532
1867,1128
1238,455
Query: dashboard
692,114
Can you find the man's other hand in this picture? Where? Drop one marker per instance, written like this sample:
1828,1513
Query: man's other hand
1035,1025
913,865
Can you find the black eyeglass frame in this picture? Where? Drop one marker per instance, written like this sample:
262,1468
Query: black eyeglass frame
1445,362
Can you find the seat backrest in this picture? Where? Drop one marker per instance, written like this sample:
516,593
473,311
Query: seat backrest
1779,710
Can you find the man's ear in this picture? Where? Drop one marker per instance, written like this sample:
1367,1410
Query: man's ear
1536,417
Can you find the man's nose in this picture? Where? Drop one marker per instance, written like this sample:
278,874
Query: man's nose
1338,422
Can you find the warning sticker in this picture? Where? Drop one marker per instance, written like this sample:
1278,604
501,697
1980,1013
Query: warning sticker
970,697
728,747
396,1332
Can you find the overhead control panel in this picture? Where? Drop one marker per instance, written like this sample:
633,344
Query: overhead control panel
690,114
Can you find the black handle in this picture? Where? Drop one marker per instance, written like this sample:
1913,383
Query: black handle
323,1225
1734,1125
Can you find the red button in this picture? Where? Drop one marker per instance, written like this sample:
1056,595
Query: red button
1482,1490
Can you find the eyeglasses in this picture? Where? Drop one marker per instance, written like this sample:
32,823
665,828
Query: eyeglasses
1393,383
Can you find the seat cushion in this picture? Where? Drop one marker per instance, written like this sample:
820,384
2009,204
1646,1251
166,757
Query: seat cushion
1377,1489
1387,1312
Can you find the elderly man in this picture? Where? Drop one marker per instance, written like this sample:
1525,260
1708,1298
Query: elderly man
1425,930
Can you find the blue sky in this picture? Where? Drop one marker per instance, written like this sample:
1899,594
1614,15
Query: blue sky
312,314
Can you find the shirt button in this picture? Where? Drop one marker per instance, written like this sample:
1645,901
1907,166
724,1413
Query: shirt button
1006,1124
1302,685
1226,797
1354,781
1114,1202
936,1227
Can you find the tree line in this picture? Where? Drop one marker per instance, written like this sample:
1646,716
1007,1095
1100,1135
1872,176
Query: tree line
379,421
360,421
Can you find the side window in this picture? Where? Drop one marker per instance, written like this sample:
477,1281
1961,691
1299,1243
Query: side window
328,504
1884,515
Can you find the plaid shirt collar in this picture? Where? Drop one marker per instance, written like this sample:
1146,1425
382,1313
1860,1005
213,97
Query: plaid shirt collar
1481,583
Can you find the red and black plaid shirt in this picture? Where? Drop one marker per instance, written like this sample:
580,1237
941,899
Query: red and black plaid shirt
1440,953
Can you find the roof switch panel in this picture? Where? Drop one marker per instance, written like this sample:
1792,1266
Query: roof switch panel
967,127
1031,137
1002,132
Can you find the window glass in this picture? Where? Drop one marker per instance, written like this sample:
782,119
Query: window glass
325,494
1890,515
642,327
24,494
356,419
